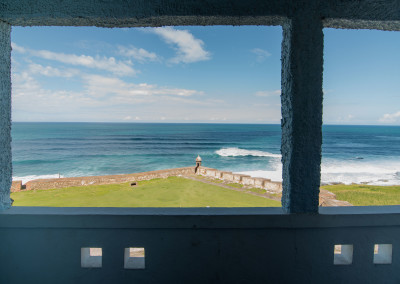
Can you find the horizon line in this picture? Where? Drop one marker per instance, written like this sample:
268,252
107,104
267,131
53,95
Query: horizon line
164,122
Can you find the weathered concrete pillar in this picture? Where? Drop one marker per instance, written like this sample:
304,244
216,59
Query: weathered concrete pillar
5,116
302,66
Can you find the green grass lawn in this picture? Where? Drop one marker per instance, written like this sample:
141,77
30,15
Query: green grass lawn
170,192
366,195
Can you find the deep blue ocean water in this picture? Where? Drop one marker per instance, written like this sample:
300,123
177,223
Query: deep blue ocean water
369,154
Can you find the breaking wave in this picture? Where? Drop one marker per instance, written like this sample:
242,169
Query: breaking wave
372,172
25,179
237,152
336,171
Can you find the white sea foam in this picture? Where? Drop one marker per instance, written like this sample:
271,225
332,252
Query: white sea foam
25,179
347,172
236,152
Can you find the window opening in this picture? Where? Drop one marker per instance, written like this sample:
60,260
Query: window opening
383,253
134,258
90,104
343,255
361,131
91,257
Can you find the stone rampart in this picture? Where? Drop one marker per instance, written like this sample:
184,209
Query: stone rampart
227,176
239,177
267,184
202,171
109,179
16,186
246,180
211,173
273,186
260,182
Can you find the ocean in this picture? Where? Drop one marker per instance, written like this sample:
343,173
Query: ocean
351,154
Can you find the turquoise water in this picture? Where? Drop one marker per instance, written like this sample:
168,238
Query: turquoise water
350,153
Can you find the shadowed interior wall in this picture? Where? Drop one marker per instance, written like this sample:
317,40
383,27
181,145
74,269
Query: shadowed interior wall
203,245
5,116
302,62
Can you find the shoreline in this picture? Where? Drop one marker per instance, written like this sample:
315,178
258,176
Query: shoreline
247,180
253,174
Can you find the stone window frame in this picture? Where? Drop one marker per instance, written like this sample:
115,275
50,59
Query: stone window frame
302,22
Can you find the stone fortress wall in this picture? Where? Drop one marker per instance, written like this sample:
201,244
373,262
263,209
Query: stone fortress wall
246,180
90,180
267,184
326,198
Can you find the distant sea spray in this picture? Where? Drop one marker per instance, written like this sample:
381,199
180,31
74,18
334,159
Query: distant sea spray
235,152
346,172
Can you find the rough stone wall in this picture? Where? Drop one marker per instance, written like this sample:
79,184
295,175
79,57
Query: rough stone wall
259,182
302,62
267,184
221,174
351,14
5,116
202,171
248,181
239,177
302,51
211,173
110,179
273,186
227,176
16,186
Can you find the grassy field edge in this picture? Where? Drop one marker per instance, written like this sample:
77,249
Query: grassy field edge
169,192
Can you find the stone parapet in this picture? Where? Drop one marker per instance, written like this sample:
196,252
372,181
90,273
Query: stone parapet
238,177
212,173
202,171
109,179
227,176
16,186
247,180
260,182
273,186
267,184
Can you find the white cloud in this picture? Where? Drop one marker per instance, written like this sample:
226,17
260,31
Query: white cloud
30,98
390,117
189,49
345,118
51,71
217,118
118,100
130,118
139,54
190,101
268,93
17,48
23,83
101,63
101,86
261,54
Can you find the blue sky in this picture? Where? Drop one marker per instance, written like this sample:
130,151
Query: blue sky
194,74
